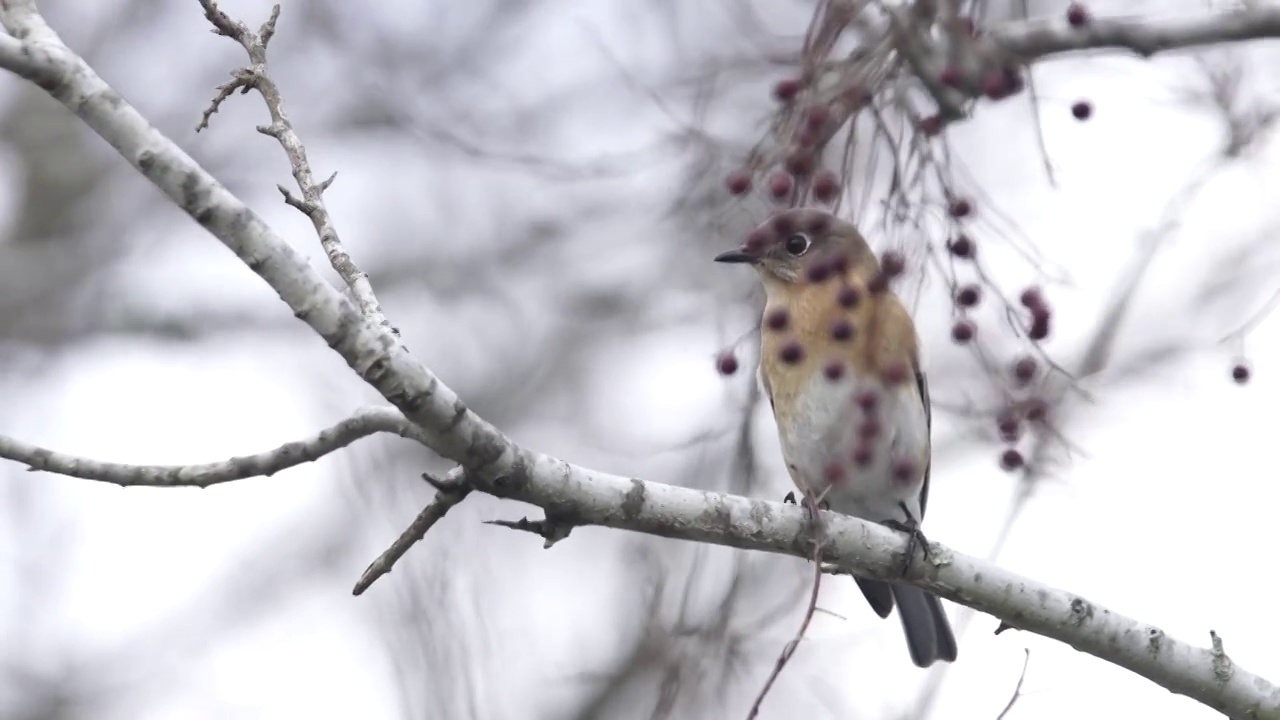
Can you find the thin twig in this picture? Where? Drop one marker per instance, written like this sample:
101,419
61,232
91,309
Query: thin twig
361,424
441,504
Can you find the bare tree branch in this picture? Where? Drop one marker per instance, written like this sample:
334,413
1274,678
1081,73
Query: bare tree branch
1035,39
362,424
312,202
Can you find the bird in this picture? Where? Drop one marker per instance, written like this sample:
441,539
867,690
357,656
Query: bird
840,365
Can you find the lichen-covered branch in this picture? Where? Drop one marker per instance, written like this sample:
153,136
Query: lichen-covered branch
363,423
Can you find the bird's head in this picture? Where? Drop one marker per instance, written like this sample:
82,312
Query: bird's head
802,245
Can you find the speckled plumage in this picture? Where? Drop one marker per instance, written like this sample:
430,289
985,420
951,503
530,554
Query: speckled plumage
878,474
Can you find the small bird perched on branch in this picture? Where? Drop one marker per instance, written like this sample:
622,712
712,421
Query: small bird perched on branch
840,365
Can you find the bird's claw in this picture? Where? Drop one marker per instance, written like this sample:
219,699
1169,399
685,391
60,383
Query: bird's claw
915,539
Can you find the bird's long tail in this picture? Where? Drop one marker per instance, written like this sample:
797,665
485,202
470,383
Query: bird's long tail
924,622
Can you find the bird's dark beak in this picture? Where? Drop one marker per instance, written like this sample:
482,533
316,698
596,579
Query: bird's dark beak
734,256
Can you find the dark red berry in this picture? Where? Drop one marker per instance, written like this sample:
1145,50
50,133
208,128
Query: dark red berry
878,283
841,329
816,117
757,240
961,246
727,364
786,90
780,184
817,272
1025,369
968,296
738,182
1039,324
1011,459
826,186
1077,15
1081,110
1009,427
896,373
996,86
962,332
818,223
834,370
799,162
1031,298
783,224
1037,410
869,429
950,76
1240,373
892,264
931,125
960,208
862,455
792,352
848,296
904,469
777,318
867,400
834,472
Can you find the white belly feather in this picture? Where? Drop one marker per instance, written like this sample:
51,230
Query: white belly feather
824,435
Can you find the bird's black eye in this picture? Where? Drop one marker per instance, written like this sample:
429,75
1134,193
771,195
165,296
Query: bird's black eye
797,244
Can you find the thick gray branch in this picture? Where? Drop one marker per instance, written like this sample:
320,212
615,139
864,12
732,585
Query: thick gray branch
362,424
1036,39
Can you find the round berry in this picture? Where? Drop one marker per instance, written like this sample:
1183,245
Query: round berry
931,125
862,455
868,429
833,471
841,329
757,240
1009,427
963,331
818,272
950,76
968,296
961,246
903,469
799,162
848,296
1025,369
786,90
896,373
1077,15
960,208
816,117
727,364
1037,410
892,264
1240,373
1039,324
1011,459
1081,110
867,400
1031,298
792,352
738,182
826,186
780,184
834,370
